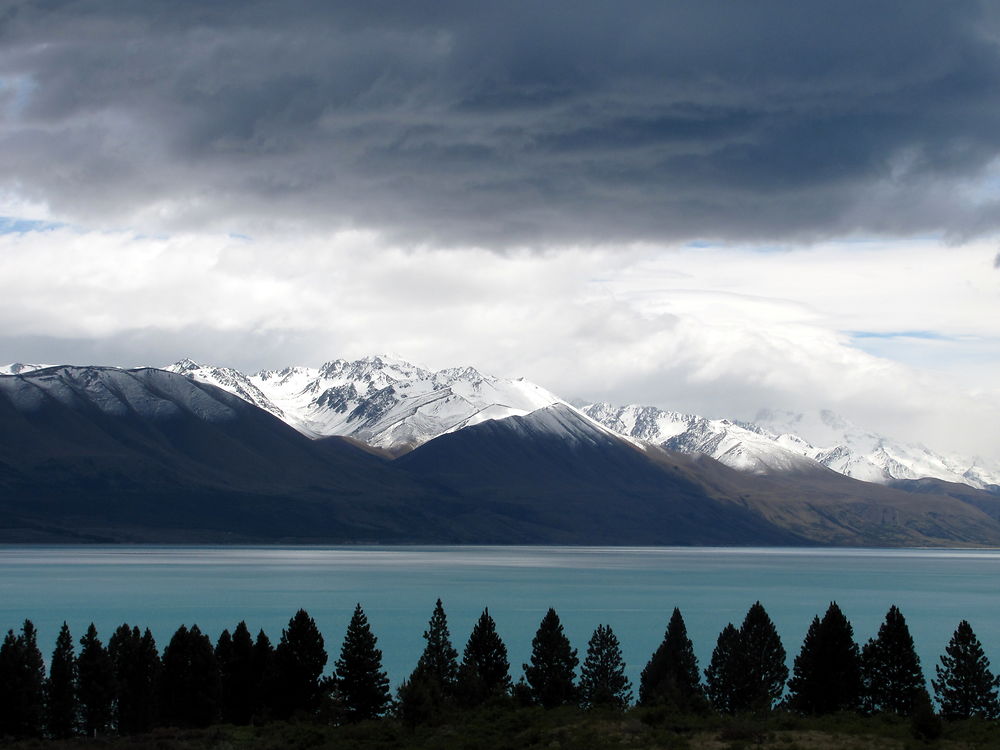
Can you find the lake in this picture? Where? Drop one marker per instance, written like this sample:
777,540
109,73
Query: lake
632,589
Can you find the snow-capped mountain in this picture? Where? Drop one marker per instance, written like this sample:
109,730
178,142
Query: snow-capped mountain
781,442
849,449
739,447
20,368
385,402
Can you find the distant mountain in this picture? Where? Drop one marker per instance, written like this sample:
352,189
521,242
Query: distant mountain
18,368
848,449
382,401
104,454
395,406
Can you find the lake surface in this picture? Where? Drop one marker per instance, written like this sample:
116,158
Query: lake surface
632,589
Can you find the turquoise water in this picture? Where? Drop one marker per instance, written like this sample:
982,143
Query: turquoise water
632,589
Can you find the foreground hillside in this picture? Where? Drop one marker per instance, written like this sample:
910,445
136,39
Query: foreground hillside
563,729
92,454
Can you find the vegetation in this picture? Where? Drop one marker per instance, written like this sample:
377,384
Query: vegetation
242,692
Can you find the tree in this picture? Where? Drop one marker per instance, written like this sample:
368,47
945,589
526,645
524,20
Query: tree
97,684
235,657
762,658
965,687
551,672
485,671
190,680
22,684
827,671
891,670
61,688
299,660
136,665
262,676
723,676
361,683
602,676
671,675
433,682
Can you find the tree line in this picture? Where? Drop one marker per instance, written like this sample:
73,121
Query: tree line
129,687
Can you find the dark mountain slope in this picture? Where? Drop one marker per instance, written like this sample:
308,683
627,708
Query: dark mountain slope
571,481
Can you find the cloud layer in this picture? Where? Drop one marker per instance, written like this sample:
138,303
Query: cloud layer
497,123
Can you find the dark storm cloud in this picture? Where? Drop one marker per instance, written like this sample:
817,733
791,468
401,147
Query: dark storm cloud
508,122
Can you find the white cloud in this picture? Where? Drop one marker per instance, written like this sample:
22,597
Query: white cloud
721,331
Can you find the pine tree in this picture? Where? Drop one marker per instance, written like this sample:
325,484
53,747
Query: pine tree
433,682
485,671
190,680
361,683
97,684
61,688
263,678
551,673
299,660
136,664
602,676
827,673
762,659
239,683
965,687
671,675
891,670
439,660
723,675
22,684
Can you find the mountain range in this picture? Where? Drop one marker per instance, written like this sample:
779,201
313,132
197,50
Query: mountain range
381,450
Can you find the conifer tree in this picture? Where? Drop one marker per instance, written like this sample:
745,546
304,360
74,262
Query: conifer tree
235,657
891,670
671,676
485,671
602,676
827,672
551,672
724,673
61,688
433,682
136,664
190,680
299,660
965,687
362,685
22,684
97,684
263,678
762,658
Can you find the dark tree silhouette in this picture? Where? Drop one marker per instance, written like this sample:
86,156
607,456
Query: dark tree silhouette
362,685
551,672
602,676
22,684
190,680
433,682
61,704
762,659
827,673
235,657
136,664
965,687
891,670
671,675
97,684
723,675
485,671
299,660
263,677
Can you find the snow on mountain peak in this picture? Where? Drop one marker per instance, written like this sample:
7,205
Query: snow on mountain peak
20,368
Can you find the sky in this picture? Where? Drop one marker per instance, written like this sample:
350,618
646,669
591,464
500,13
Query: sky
712,207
